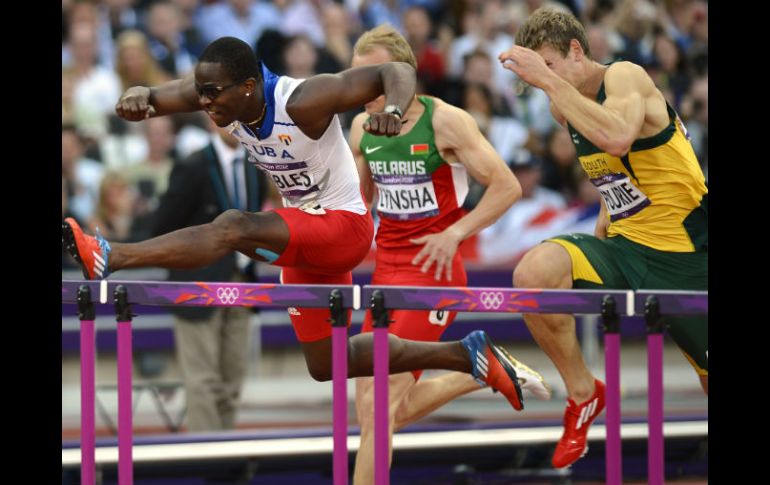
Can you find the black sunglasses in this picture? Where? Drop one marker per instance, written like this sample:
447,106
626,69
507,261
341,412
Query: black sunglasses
211,91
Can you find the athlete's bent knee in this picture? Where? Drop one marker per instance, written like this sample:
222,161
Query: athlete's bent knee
529,272
524,276
319,371
545,266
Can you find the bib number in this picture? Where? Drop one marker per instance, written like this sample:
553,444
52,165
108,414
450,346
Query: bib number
623,199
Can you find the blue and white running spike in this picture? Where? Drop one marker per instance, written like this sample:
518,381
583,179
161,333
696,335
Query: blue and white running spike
476,344
101,260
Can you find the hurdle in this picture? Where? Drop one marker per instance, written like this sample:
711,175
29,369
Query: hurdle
603,302
338,298
656,304
341,298
504,300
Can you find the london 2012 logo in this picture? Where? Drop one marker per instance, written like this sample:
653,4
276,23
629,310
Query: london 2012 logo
227,295
491,300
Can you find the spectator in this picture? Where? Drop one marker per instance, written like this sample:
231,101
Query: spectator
599,44
303,17
149,177
188,11
300,57
506,134
114,215
82,175
169,44
559,163
634,22
484,33
669,69
338,25
135,64
243,19
430,62
87,13
96,88
211,343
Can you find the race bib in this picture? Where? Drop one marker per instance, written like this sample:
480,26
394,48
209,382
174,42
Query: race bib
406,197
292,179
623,199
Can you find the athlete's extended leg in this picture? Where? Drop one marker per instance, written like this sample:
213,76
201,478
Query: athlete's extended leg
549,265
691,336
427,395
187,248
405,355
399,386
475,354
411,401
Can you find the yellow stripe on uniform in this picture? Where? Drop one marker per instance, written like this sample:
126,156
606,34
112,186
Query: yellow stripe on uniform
701,372
581,267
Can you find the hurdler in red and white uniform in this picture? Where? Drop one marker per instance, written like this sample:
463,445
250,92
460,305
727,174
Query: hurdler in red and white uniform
418,193
330,229
421,184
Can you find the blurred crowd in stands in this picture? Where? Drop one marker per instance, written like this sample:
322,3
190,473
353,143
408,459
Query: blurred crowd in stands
114,172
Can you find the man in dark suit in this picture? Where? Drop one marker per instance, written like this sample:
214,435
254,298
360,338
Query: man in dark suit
212,344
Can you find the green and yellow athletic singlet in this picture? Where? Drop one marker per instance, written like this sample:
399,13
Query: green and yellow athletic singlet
656,194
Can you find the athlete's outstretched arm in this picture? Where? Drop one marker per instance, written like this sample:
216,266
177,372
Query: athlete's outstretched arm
612,126
314,102
364,172
458,138
140,102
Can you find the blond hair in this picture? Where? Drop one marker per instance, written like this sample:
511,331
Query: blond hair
152,73
389,38
552,28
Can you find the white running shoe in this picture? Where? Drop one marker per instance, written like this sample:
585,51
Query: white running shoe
529,379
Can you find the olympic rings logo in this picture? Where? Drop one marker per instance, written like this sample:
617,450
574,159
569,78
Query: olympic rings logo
228,296
491,300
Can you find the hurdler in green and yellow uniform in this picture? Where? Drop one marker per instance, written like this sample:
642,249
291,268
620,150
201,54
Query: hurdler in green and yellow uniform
656,200
652,232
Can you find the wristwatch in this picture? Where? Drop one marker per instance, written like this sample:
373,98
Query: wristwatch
393,109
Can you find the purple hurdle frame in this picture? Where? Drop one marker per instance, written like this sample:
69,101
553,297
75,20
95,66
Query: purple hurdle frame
456,299
87,316
381,389
194,294
339,388
656,303
614,443
125,387
510,301
578,302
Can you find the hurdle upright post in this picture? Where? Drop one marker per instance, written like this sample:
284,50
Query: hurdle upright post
381,378
125,387
87,316
339,323
611,326
655,444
